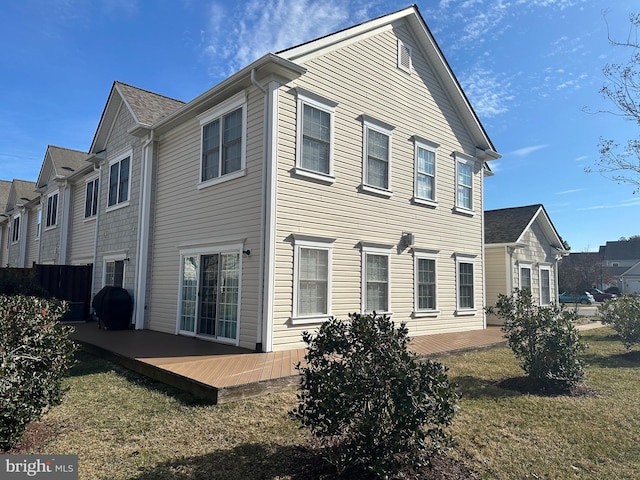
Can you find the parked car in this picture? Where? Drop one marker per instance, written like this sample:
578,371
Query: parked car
584,298
615,290
601,296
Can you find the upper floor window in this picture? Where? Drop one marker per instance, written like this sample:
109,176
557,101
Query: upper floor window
376,285
464,183
52,211
91,198
314,145
377,156
119,184
425,172
466,284
312,279
223,141
15,229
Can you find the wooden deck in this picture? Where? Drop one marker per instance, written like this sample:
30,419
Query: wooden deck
221,373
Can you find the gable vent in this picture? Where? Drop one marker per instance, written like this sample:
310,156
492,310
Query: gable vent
404,56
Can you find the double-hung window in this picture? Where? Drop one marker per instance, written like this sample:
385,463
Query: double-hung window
38,223
465,285
119,185
91,198
376,176
425,285
223,143
312,279
464,183
525,276
52,211
376,284
545,284
425,172
15,229
314,144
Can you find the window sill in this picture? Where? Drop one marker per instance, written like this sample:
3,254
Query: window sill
117,206
464,211
222,179
92,218
425,313
387,314
466,313
50,227
321,177
425,201
376,191
309,320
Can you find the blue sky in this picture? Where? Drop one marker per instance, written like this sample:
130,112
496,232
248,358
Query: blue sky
529,67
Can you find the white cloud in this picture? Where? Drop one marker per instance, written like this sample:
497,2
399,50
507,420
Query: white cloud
489,95
566,192
524,151
634,202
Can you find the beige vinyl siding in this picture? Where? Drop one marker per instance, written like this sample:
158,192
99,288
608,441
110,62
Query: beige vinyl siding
364,79
118,229
82,234
188,217
537,251
33,244
497,278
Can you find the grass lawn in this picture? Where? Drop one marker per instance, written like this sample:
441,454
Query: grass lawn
123,426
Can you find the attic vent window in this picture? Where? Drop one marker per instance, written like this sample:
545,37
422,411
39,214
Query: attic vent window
404,56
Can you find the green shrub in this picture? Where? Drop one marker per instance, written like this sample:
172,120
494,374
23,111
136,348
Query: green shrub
368,401
35,353
623,315
544,339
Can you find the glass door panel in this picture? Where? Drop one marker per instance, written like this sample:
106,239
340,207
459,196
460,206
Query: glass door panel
189,294
208,294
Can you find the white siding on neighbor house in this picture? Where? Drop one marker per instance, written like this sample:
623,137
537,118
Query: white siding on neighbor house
4,244
33,243
118,228
187,217
82,231
363,78
498,277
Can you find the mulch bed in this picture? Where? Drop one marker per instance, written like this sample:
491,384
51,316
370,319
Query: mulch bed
35,436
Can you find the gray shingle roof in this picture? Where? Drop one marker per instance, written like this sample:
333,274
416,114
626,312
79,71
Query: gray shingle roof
24,190
506,225
67,161
5,188
148,107
622,250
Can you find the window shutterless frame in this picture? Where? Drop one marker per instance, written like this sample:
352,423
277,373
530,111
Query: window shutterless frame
376,158
51,218
376,279
119,187
425,287
465,175
465,284
424,180
544,274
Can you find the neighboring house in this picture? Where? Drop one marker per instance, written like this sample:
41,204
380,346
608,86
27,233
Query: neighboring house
522,249
21,208
5,189
56,199
622,260
342,175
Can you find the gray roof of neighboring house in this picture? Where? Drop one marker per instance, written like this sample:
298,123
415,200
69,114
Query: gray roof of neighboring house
24,190
5,188
622,250
148,107
67,161
506,225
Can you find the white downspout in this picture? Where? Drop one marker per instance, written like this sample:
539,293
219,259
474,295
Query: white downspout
144,214
95,238
65,208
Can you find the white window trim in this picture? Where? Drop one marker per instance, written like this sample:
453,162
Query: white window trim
369,123
88,180
467,160
15,239
465,258
429,255
38,223
432,147
211,250
524,265
409,49
46,216
317,243
115,257
546,267
381,250
239,100
118,159
305,97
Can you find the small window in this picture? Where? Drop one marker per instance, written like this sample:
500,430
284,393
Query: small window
425,172
119,174
464,184
425,288
404,56
52,211
312,280
38,223
91,198
545,285
377,157
466,286
223,141
114,273
525,277
376,285
314,153
15,229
